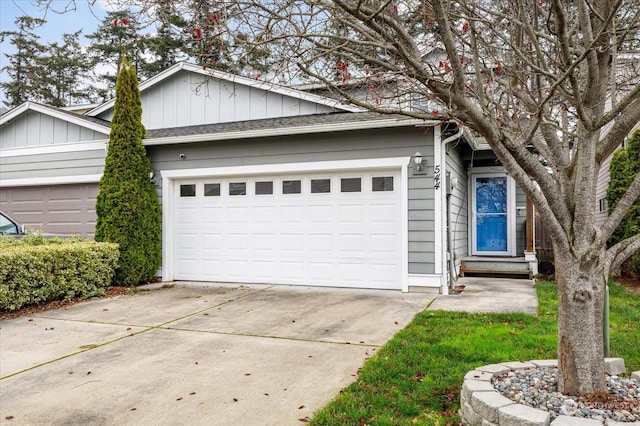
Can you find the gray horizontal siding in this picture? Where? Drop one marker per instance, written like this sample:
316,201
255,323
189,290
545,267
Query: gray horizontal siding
601,189
35,129
52,165
354,145
459,203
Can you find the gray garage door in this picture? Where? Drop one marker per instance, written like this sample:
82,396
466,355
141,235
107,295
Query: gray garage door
57,209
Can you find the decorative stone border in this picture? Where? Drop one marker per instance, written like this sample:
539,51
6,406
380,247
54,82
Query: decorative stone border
482,405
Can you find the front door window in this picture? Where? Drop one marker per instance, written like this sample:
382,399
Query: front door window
492,220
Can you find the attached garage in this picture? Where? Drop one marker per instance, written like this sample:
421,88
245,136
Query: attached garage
315,227
56,209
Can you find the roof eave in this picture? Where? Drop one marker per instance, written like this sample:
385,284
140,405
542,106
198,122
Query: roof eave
52,111
293,130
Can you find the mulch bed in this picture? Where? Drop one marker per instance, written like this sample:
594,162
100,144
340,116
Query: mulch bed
55,304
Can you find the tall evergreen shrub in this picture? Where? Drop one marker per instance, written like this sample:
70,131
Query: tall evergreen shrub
127,207
625,165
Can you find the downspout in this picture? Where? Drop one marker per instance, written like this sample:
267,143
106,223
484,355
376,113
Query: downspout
450,248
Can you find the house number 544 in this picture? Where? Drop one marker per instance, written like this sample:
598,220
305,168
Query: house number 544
436,177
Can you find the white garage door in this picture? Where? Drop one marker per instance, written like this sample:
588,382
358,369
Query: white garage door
322,230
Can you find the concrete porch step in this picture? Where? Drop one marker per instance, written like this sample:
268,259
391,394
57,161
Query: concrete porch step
498,266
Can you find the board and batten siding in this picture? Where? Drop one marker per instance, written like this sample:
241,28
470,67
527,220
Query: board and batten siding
52,165
34,129
459,203
189,99
353,145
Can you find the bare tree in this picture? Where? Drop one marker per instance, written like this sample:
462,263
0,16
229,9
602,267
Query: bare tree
538,80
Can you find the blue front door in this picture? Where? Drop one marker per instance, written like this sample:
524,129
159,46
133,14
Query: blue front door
491,215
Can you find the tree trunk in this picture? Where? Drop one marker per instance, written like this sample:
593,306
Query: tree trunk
581,289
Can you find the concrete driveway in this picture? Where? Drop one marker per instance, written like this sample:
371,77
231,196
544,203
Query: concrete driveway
194,354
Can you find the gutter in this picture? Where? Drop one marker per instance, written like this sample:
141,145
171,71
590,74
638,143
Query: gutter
283,131
450,248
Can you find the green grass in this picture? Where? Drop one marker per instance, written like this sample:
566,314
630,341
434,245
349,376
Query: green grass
415,378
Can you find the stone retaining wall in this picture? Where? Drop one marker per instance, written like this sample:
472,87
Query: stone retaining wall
482,405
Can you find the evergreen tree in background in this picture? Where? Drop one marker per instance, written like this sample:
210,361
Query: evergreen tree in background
23,70
166,46
118,33
127,207
624,167
66,73
57,74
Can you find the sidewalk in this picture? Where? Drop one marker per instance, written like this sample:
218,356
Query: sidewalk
484,294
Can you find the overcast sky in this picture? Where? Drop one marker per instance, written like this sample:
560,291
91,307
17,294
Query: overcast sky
85,17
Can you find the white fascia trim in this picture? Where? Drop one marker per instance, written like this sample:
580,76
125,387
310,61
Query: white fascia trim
283,131
168,177
167,227
53,180
53,112
477,143
100,145
404,206
260,169
438,164
425,280
258,84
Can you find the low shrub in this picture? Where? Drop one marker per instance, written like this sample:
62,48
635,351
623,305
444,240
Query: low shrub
35,269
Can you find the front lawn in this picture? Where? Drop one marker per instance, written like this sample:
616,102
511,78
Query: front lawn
415,378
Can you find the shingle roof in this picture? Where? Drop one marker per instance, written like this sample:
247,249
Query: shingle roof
276,123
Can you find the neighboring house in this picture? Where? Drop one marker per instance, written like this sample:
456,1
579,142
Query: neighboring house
602,208
265,184
627,78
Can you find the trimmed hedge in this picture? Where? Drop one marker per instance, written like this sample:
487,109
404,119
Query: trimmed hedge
34,270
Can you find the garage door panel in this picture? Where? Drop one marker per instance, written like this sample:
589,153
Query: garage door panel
351,213
292,243
237,242
55,209
384,244
383,213
240,214
332,238
266,270
237,268
212,242
212,270
321,214
292,272
322,273
188,216
265,243
351,271
292,214
321,243
212,214
350,244
187,241
382,274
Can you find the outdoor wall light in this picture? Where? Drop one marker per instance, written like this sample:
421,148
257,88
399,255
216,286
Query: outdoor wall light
418,161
